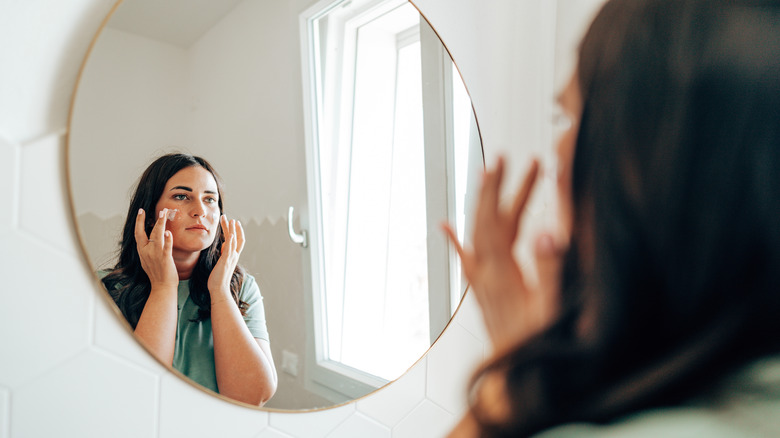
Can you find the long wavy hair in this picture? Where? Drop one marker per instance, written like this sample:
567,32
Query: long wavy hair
127,282
676,200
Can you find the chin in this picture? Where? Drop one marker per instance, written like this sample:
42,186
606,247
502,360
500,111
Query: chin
192,247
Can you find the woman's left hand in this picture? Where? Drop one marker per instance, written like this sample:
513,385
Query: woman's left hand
219,280
513,308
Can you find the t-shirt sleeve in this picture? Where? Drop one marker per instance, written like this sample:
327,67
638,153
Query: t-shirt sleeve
255,313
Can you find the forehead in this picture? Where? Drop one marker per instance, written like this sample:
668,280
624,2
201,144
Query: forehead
194,177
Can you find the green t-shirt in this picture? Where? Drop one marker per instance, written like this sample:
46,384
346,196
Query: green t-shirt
194,351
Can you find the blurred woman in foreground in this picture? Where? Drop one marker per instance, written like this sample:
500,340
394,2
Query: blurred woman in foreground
658,311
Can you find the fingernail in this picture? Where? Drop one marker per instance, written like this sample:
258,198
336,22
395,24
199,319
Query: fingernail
162,212
140,211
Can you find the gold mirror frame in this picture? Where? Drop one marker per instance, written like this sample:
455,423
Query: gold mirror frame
101,289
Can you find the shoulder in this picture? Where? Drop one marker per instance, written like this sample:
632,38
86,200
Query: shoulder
745,404
111,282
249,288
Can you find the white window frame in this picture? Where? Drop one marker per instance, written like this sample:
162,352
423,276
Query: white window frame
330,379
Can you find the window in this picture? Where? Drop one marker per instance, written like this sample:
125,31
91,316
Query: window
388,156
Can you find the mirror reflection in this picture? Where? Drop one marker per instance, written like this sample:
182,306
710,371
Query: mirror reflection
351,113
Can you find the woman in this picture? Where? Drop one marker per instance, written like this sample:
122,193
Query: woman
180,287
666,302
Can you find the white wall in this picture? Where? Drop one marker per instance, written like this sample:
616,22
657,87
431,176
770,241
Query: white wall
233,97
69,368
140,97
251,131
130,103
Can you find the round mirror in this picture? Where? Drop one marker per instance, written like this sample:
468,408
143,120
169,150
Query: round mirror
344,136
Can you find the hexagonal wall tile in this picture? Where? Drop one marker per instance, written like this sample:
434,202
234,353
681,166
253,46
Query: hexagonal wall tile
43,320
44,210
9,168
313,424
272,433
397,399
113,334
181,401
450,363
426,420
360,426
470,317
45,42
93,394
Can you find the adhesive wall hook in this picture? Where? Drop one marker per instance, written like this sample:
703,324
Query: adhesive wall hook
301,238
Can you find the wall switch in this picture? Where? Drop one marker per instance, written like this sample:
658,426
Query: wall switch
290,363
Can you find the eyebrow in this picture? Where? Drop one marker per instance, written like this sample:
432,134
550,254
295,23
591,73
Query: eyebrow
188,189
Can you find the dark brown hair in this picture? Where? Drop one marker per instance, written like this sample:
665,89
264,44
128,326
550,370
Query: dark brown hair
127,282
676,182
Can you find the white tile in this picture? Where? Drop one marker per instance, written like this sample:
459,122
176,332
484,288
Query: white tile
89,396
426,420
313,424
181,402
44,209
360,426
113,334
469,316
5,413
270,432
9,171
45,42
451,362
45,315
394,401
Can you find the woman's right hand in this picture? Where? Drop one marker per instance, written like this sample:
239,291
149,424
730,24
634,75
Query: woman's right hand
156,251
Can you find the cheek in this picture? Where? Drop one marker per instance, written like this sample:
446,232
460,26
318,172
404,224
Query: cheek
565,156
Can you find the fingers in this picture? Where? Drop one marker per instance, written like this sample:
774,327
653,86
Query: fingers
549,262
465,259
223,222
141,238
487,204
168,243
240,235
233,239
521,199
233,233
453,238
158,232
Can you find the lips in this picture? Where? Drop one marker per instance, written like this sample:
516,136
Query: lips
197,227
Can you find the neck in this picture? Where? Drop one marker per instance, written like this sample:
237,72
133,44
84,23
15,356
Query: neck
185,263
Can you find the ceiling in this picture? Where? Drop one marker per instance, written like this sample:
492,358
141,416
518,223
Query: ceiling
177,22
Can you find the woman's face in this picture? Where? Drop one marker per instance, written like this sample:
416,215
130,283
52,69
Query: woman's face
568,116
193,192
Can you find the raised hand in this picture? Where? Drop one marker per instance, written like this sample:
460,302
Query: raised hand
513,307
155,251
219,280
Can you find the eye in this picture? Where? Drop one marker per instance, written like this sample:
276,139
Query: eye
211,200
180,197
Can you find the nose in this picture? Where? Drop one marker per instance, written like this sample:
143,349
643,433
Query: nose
198,210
